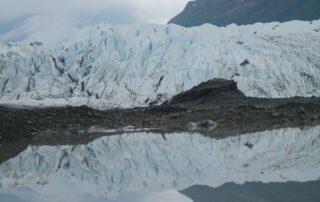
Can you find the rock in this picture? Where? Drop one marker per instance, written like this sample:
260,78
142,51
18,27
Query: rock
275,114
245,62
207,125
233,111
314,117
208,92
249,145
286,120
302,110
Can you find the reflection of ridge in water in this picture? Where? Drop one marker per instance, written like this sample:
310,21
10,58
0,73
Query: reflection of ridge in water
146,162
256,191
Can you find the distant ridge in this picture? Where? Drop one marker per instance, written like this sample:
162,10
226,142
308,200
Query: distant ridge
242,12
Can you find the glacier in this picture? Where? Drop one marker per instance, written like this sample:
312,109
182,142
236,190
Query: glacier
145,163
105,66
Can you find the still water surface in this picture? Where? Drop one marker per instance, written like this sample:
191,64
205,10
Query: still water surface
263,166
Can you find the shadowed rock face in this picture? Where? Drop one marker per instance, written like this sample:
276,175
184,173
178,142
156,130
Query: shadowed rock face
211,91
241,12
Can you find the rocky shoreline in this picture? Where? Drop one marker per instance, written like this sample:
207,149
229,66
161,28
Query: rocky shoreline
215,108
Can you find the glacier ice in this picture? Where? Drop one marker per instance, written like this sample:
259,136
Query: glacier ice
106,66
147,162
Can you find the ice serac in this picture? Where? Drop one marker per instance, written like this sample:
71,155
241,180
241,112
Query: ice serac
144,163
30,72
108,66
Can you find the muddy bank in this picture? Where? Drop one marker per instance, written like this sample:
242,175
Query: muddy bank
217,100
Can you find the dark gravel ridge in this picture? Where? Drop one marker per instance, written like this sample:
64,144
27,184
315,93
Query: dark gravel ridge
217,100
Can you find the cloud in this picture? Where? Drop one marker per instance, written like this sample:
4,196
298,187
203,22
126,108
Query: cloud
20,18
145,10
40,23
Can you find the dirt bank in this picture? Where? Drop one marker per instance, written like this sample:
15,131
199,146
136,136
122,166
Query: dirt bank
217,100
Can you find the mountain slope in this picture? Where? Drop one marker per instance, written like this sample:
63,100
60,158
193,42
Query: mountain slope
108,66
242,12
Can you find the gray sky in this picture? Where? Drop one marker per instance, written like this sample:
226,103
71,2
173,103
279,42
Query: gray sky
20,18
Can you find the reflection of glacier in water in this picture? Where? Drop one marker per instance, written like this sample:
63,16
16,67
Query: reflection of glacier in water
145,162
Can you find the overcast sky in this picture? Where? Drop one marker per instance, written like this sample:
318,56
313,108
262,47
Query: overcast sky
20,18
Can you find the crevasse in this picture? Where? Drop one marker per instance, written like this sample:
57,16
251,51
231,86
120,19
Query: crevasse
106,66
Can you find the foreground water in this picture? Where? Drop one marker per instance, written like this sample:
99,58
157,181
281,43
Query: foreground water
169,167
